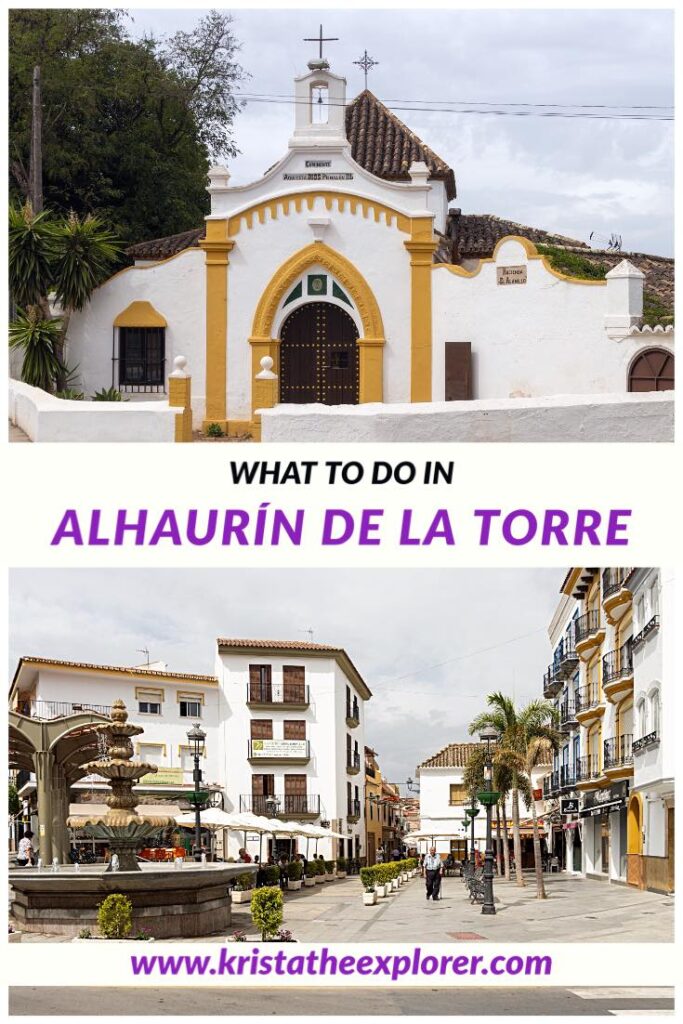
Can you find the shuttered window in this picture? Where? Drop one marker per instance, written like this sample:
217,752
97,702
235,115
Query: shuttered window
261,729
294,730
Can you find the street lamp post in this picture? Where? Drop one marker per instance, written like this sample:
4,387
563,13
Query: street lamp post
488,797
196,736
472,811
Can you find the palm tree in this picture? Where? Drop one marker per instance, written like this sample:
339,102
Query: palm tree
473,779
516,730
53,263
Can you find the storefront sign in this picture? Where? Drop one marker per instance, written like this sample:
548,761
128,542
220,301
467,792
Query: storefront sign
511,275
279,748
569,806
164,777
605,801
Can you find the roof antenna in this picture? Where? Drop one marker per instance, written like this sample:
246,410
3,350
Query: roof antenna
310,633
145,651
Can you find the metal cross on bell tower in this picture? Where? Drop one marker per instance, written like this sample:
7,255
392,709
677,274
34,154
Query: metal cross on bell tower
367,64
321,63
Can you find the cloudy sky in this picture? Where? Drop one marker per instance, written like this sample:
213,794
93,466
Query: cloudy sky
573,176
430,644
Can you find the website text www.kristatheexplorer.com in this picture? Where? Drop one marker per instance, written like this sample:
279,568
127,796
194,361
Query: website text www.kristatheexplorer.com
321,963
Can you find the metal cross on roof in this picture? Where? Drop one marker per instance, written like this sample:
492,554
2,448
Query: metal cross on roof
367,64
320,39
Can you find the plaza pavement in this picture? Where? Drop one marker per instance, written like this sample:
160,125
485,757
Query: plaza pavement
577,910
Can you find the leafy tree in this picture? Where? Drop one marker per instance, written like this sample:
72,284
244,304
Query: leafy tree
14,803
54,263
129,126
526,737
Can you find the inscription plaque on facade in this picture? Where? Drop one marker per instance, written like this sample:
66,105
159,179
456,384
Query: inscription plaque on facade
511,275
318,163
319,176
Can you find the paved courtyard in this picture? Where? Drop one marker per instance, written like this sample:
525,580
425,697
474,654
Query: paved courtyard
577,910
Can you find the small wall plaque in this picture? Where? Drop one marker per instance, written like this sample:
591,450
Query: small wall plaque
511,275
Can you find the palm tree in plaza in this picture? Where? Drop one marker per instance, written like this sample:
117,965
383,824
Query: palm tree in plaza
473,779
518,753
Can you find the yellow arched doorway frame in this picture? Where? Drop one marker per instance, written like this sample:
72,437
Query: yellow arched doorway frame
634,841
370,344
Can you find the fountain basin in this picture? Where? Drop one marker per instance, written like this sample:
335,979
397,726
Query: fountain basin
168,902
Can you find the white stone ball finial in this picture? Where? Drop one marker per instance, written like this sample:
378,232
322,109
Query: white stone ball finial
266,370
179,364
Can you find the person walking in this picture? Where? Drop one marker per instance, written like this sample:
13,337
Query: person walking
433,872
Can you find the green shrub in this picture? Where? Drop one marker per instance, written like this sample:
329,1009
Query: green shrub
329,867
368,877
115,916
71,394
266,911
272,874
296,870
315,867
215,430
245,881
85,933
341,863
384,873
108,395
573,264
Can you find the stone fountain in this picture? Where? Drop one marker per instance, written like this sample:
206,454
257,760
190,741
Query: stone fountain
123,829
168,900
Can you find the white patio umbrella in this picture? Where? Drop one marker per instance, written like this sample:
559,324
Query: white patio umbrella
213,818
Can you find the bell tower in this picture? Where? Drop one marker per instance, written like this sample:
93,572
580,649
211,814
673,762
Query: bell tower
320,102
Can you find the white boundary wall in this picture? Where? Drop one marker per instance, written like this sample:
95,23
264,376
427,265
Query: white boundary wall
45,418
624,417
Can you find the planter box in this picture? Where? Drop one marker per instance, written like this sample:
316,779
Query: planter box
330,877
369,899
309,883
295,886
382,891
394,884
241,895
341,874
319,879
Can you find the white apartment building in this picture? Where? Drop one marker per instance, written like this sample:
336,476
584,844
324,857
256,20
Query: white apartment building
610,792
444,797
293,734
284,724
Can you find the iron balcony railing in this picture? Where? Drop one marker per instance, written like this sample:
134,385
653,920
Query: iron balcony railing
353,810
588,767
651,627
586,625
650,740
567,776
613,581
567,714
551,784
283,805
618,664
588,697
353,712
566,658
278,693
552,682
352,762
49,709
618,752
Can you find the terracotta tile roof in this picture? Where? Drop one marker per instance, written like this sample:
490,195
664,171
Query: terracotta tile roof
386,147
302,647
122,669
455,755
279,645
163,248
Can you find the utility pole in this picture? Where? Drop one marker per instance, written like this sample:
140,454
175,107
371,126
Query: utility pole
36,165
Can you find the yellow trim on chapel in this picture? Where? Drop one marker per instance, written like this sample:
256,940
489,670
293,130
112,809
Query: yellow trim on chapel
421,248
532,254
345,202
140,314
217,246
370,345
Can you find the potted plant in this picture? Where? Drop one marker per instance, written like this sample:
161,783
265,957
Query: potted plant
383,885
309,878
272,875
266,911
115,916
367,877
329,871
341,867
319,872
244,884
294,875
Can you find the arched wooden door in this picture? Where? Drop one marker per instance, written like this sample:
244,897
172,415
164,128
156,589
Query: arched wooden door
652,370
319,356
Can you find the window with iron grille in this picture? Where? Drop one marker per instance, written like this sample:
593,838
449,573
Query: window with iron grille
142,352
